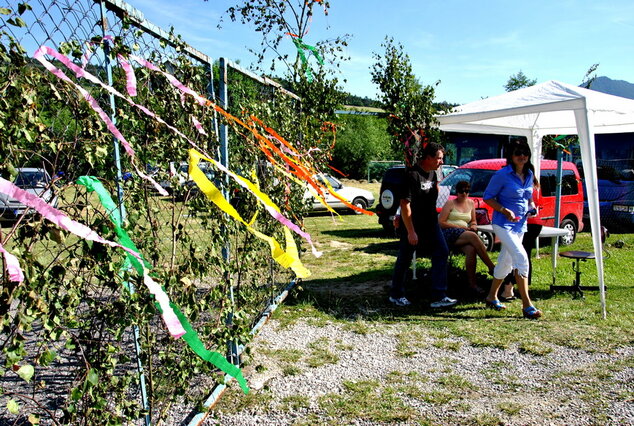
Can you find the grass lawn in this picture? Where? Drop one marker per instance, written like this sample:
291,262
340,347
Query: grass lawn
350,281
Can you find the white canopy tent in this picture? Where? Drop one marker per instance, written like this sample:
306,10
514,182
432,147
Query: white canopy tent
552,108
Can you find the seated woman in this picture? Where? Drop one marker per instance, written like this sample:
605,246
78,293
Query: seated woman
458,223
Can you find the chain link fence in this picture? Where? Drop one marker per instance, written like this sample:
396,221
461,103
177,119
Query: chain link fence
82,341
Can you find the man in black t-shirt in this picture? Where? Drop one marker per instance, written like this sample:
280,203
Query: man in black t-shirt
420,230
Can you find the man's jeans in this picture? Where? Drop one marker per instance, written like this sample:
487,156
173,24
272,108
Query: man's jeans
430,240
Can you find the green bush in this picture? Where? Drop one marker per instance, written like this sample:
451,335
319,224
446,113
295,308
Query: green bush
360,139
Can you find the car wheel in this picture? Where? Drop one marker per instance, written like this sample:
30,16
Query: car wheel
487,239
360,203
569,226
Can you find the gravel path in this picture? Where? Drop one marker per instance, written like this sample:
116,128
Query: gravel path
366,379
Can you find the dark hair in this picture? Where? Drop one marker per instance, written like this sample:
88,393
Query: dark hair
520,144
430,150
462,185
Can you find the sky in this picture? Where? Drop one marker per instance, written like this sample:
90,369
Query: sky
471,47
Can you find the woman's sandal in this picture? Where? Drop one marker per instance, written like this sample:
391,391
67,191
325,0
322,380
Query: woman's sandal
532,312
495,304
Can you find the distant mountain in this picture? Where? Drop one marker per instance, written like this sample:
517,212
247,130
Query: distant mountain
613,87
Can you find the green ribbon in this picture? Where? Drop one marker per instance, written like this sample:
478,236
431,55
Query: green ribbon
301,47
560,145
191,337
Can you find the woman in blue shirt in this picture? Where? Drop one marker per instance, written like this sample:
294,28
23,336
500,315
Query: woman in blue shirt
510,194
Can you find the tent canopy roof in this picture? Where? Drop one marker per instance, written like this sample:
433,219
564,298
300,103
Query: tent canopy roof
546,108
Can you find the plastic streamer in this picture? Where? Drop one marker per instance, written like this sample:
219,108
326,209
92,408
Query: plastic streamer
191,337
173,80
60,219
198,126
303,171
129,75
13,266
185,90
127,68
287,259
39,55
338,171
269,205
333,129
301,48
560,145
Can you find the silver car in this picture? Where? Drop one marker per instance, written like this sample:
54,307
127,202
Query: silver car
33,180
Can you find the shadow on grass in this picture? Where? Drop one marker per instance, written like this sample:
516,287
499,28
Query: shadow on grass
388,247
360,233
365,295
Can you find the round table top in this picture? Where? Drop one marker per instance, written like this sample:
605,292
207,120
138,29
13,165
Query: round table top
576,254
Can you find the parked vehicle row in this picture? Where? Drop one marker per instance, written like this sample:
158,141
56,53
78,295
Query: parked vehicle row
478,173
389,196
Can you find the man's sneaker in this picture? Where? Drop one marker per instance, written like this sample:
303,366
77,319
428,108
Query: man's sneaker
401,301
445,302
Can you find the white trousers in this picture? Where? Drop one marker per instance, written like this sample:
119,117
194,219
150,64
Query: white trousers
512,255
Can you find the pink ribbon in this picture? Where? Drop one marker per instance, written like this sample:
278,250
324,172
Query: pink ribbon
60,219
13,266
198,126
81,73
130,78
173,80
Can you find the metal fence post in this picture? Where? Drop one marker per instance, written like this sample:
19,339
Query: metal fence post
232,347
211,92
117,158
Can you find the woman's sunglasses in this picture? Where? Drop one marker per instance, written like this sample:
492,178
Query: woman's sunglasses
463,191
519,152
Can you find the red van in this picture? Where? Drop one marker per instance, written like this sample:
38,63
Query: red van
478,174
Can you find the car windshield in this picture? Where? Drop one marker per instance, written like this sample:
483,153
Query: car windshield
331,181
30,179
477,178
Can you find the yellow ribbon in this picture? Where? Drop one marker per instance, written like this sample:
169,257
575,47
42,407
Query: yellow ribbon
287,259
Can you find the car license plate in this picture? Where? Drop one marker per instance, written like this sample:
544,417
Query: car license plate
620,208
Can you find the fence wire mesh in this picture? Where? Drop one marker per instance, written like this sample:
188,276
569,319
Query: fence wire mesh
71,319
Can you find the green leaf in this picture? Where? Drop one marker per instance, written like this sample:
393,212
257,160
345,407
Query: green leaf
93,377
76,394
26,372
34,419
23,7
13,173
13,407
47,357
17,22
5,11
